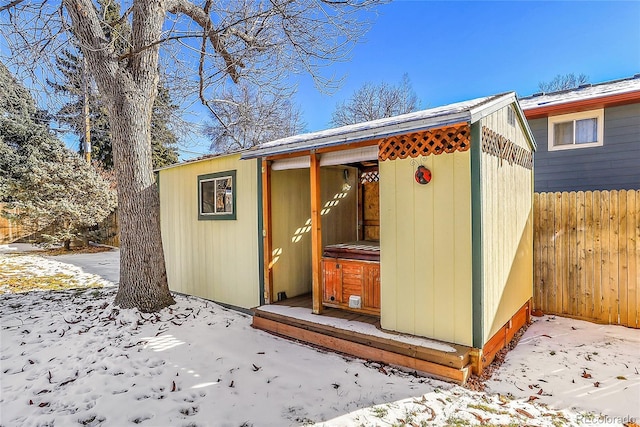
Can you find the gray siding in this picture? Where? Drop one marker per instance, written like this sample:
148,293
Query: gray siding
614,166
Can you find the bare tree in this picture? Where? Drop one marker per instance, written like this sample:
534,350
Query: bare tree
220,41
376,101
246,116
563,82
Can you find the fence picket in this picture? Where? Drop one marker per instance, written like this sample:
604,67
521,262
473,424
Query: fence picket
587,255
623,260
596,302
632,220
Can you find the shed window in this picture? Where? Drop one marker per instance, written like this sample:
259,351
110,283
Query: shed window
511,116
576,130
217,195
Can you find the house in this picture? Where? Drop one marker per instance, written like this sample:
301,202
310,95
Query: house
588,138
406,240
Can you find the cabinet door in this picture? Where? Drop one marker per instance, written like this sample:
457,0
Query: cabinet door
352,279
331,281
371,298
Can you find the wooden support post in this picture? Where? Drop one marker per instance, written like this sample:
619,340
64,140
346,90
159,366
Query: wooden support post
267,239
316,234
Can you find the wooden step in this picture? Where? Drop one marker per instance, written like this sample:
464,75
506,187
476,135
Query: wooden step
450,366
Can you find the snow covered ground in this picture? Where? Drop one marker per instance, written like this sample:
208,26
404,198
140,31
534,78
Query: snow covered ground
69,357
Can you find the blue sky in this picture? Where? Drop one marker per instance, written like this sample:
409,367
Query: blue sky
458,50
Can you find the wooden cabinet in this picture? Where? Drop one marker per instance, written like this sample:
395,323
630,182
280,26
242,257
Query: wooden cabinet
343,278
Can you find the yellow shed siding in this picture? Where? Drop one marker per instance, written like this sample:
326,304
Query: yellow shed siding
291,226
507,207
213,259
425,238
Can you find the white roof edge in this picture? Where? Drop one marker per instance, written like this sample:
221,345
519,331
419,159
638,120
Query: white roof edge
387,127
525,125
585,92
200,159
490,107
349,137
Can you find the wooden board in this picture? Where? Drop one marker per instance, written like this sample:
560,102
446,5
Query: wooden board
316,234
504,335
632,225
267,241
343,278
371,210
458,375
587,255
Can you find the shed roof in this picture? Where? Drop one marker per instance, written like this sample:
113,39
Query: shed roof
203,158
582,93
468,111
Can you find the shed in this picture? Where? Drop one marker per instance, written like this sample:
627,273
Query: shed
420,225
212,251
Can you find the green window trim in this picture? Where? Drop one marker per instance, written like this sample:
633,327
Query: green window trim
228,207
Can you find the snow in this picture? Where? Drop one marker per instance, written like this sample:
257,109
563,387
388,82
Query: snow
580,94
564,359
71,358
363,328
432,117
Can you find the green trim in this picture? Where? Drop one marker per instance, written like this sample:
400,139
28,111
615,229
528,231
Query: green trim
476,236
260,232
234,188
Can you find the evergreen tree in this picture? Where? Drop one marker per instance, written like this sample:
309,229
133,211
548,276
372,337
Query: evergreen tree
51,187
71,67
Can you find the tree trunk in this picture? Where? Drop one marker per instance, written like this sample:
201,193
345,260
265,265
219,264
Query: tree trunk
129,87
143,277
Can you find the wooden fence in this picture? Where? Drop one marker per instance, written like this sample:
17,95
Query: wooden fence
587,255
10,231
109,230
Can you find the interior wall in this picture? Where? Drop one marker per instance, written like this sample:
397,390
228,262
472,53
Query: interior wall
290,226
340,204
291,221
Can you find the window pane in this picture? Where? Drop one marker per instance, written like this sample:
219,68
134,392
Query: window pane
563,133
586,131
224,196
207,192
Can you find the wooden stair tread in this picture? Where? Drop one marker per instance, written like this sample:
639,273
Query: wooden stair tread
457,360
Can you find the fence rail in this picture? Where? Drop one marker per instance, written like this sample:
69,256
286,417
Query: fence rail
587,255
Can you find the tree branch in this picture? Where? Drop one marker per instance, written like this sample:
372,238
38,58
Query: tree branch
203,19
10,5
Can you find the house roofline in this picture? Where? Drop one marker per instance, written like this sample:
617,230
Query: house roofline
583,105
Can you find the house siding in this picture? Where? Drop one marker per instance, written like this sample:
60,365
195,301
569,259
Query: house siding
613,166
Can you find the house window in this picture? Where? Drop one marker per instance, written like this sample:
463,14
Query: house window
217,195
576,130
